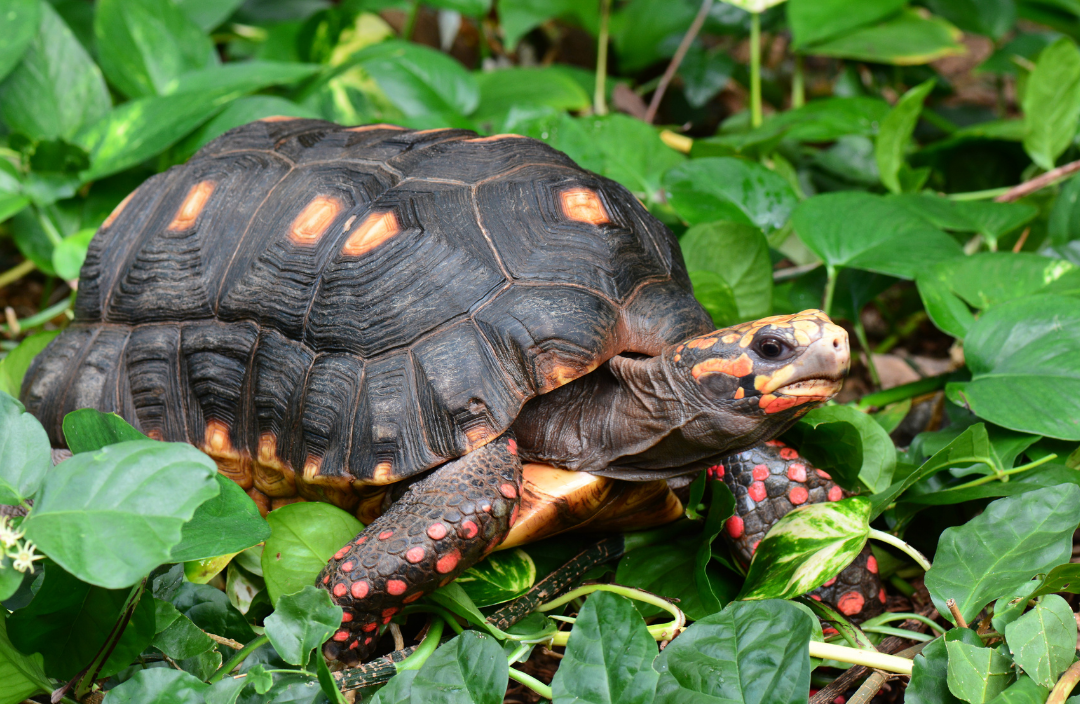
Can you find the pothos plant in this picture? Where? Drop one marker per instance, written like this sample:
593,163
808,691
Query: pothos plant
851,171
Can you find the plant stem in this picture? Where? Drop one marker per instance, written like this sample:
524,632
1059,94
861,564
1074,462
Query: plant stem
1039,182
900,632
425,649
673,65
531,682
1008,472
880,399
858,656
1065,685
410,22
41,318
889,617
979,195
901,545
755,70
830,288
437,610
235,660
636,594
16,272
798,84
600,91
47,225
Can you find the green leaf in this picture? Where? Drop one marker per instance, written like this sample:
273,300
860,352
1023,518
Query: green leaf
847,443
177,636
666,569
609,656
25,453
992,18
87,430
945,309
977,674
971,446
419,80
522,88
13,367
209,609
68,621
68,256
208,14
714,293
991,278
111,516
739,254
226,524
645,32
500,577
723,188
1023,691
240,78
1064,223
721,508
806,548
20,21
225,691
21,676
875,234
454,599
908,39
144,45
1051,103
751,652
991,220
815,20
303,538
240,112
1047,475
895,134
999,550
929,676
470,669
301,622
1009,608
1043,641
57,88
1063,578
159,685
1027,344
518,17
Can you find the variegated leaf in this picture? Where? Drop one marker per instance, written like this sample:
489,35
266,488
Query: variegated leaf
501,577
806,548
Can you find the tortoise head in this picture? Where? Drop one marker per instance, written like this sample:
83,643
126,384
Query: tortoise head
763,374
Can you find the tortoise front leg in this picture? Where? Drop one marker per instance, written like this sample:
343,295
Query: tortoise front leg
440,527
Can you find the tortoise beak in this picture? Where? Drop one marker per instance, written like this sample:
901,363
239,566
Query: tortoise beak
818,371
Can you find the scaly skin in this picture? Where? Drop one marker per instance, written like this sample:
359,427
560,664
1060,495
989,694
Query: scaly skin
770,480
441,526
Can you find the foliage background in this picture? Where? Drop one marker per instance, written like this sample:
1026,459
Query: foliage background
858,155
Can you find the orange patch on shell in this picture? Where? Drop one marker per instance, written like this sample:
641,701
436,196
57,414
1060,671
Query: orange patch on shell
277,118
583,205
193,204
378,126
314,220
477,435
495,138
311,468
718,365
117,210
376,229
217,437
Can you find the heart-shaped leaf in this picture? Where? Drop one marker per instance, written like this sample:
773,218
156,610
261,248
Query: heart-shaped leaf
738,190
25,454
303,538
500,577
1043,641
301,622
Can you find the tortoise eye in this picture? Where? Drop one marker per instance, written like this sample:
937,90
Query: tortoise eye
772,348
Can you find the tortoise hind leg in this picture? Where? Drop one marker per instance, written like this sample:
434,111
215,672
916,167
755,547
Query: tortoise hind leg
440,527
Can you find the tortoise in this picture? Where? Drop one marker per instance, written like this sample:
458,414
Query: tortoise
394,321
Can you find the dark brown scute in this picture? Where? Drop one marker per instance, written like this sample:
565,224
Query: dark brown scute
372,360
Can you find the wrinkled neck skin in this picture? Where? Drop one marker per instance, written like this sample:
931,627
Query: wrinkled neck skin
635,419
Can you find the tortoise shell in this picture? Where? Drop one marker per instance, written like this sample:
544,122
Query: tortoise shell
357,305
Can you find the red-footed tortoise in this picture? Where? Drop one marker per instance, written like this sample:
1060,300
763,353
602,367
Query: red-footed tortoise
329,311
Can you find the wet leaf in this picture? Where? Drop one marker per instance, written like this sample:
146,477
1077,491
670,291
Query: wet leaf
736,190
303,538
751,653
500,577
609,656
1043,641
998,551
806,548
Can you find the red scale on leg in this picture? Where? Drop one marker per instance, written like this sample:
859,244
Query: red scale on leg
342,552
360,589
871,564
396,587
369,627
469,529
789,453
836,493
757,491
797,472
448,562
735,527
798,495
508,490
760,473
850,603
346,617
385,534
340,589
347,566
414,555
412,597
436,531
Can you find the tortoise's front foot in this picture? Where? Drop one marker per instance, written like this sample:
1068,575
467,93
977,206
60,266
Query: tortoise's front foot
440,527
